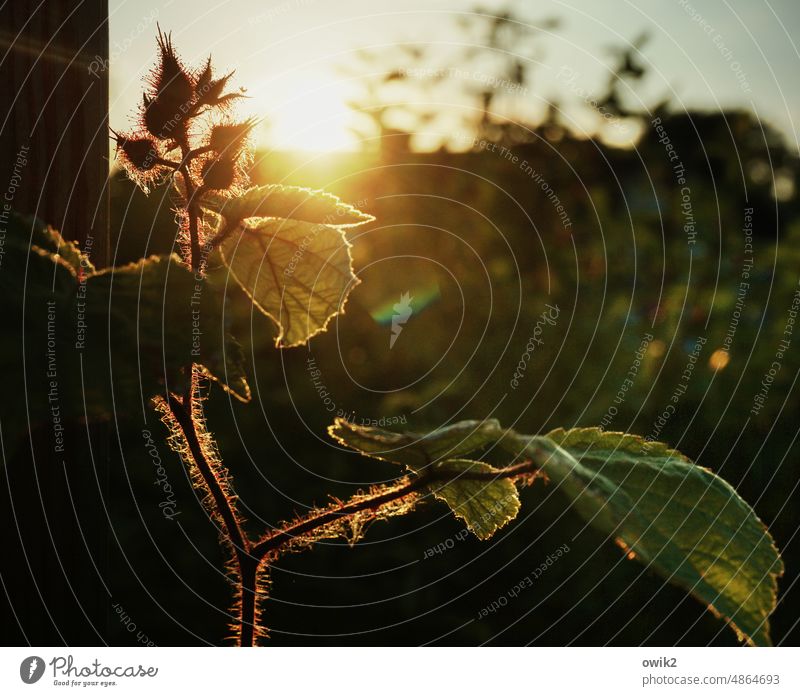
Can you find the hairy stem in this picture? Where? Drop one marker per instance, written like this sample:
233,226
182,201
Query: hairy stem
280,537
247,604
228,229
194,216
233,529
249,557
246,566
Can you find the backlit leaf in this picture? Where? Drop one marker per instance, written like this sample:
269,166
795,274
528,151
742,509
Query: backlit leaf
289,202
677,518
484,505
417,450
297,273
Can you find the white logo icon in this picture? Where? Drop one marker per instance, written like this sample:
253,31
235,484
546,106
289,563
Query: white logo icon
402,313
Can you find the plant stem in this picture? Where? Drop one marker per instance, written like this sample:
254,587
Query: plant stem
247,566
247,603
278,538
233,529
224,233
249,556
194,219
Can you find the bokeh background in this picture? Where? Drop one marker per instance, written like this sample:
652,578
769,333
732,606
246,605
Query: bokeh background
516,156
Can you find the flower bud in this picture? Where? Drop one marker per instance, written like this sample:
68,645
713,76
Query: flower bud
230,139
172,83
163,120
208,91
140,153
219,173
172,98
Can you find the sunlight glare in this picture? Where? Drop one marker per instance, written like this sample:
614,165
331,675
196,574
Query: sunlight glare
316,119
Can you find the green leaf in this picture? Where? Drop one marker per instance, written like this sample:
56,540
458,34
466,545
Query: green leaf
289,202
162,318
118,336
51,241
483,504
297,273
417,450
677,518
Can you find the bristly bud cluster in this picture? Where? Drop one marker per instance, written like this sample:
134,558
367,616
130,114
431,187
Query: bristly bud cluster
213,155
222,171
140,157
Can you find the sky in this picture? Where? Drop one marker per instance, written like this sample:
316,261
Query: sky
291,55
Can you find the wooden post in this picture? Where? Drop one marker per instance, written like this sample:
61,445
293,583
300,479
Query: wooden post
54,127
55,84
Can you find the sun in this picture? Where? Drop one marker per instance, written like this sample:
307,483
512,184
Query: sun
313,117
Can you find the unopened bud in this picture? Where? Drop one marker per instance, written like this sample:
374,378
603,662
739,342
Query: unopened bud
138,153
230,139
219,174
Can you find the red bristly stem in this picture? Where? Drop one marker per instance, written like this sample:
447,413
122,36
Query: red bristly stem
247,567
250,556
280,537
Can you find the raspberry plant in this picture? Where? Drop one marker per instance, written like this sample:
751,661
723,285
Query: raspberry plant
287,250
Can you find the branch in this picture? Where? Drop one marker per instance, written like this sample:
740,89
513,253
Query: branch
224,233
167,163
248,582
224,509
280,537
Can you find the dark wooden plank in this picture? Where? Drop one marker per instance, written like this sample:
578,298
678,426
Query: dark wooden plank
55,165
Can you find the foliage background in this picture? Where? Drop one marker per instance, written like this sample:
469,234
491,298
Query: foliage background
481,249
469,221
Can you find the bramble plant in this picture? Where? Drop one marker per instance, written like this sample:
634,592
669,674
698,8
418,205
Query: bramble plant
287,250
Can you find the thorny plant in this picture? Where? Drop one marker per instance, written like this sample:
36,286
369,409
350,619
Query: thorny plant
286,248
186,131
